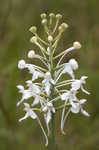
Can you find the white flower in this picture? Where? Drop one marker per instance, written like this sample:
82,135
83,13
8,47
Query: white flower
77,84
78,108
32,70
35,74
31,54
75,108
32,91
26,94
48,109
69,67
48,106
37,99
70,97
32,114
35,89
21,64
48,81
29,112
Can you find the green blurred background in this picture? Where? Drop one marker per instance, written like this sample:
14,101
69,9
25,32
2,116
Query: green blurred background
16,17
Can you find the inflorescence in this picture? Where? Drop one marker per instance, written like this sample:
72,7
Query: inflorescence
47,86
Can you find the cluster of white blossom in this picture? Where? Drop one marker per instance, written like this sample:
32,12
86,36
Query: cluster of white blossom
46,84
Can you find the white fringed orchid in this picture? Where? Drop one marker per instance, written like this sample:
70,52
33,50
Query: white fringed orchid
44,87
77,84
48,81
29,112
77,107
48,109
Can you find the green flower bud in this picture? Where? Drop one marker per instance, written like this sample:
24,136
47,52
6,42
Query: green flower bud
44,21
63,26
60,28
58,16
33,29
43,15
52,15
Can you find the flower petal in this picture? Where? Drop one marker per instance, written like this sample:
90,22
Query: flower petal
76,85
65,96
82,101
18,103
84,112
26,105
48,117
25,117
36,100
75,109
32,114
84,90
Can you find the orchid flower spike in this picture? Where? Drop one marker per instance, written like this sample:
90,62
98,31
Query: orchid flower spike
47,86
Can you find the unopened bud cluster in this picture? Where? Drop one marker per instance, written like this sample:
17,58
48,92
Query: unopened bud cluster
51,87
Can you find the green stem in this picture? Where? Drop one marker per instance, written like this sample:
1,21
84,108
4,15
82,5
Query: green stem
52,134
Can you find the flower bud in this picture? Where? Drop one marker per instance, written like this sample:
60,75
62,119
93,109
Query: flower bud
63,26
33,39
44,21
52,15
60,28
43,15
31,54
50,38
33,29
21,64
58,16
76,45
